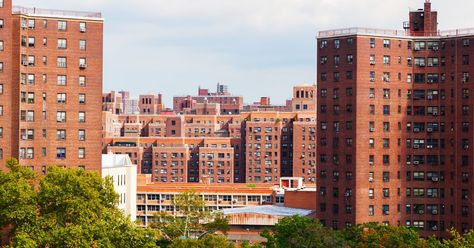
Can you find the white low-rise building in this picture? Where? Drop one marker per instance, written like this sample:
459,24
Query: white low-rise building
124,175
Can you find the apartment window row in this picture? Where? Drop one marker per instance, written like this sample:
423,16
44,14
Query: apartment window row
61,24
337,43
60,79
29,41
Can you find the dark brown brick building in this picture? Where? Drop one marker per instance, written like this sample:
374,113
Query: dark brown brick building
395,126
50,87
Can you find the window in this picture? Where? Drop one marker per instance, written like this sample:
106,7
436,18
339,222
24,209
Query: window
82,80
337,43
386,109
61,153
82,98
61,116
30,154
1,4
62,25
82,116
30,115
82,134
31,60
1,45
62,80
386,43
1,112
81,153
1,22
372,76
386,60
82,45
31,41
465,42
82,63
61,134
61,97
324,44
82,27
62,43
62,62
372,42
371,193
1,89
372,59
371,210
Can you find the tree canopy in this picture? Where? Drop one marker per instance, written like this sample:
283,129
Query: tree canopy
65,208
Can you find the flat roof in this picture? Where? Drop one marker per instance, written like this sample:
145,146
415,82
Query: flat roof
268,210
391,33
202,188
68,14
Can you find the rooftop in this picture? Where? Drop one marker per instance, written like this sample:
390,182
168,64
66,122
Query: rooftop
115,160
69,14
390,32
268,210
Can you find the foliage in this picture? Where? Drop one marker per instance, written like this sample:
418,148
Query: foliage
191,220
457,240
376,235
302,232
65,208
206,241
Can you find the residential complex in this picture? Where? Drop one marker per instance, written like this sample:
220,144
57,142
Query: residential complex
395,126
255,147
50,87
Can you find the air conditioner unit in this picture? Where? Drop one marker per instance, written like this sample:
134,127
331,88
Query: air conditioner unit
429,97
429,130
416,146
416,130
429,146
371,95
25,63
416,162
372,62
435,113
386,212
416,48
430,64
372,129
435,179
82,66
371,162
408,163
371,180
434,228
421,211
434,212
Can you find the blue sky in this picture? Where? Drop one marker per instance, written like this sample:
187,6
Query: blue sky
257,47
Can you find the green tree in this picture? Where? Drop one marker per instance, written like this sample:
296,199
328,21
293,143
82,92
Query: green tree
192,218
301,232
68,208
376,235
456,240
206,241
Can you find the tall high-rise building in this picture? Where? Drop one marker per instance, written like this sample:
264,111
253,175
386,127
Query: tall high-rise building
50,87
395,126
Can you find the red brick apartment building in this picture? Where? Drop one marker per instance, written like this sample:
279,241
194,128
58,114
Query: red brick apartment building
257,147
229,104
395,122
50,87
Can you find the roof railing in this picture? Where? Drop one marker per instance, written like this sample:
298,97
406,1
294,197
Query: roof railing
53,12
394,33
